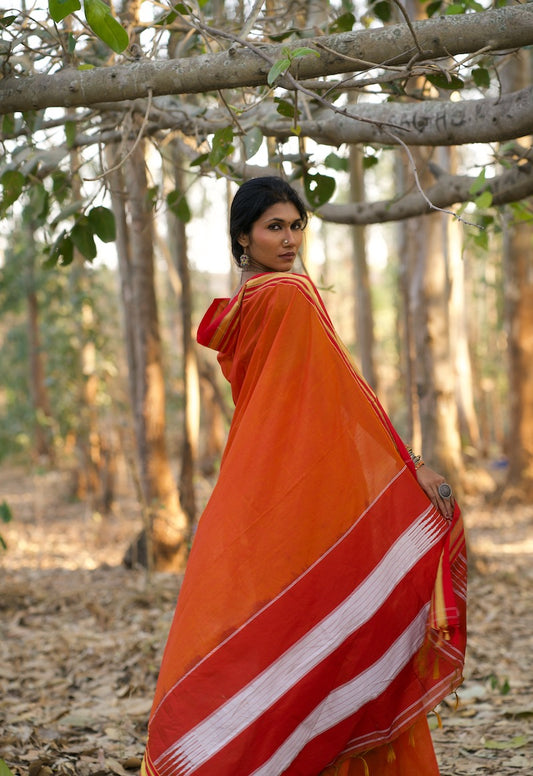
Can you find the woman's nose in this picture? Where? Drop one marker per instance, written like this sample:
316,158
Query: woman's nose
288,237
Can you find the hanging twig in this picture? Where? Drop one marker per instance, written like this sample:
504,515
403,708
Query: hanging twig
135,144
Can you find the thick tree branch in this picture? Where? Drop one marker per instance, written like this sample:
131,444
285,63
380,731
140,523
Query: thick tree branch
511,186
432,123
504,28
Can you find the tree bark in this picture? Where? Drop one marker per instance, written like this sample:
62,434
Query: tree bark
191,387
438,37
166,539
43,443
362,294
518,250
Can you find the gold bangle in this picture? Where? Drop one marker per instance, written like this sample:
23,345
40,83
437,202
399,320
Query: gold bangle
416,459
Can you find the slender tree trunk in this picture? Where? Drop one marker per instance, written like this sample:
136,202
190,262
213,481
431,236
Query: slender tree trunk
191,396
518,254
518,250
167,536
459,330
433,373
43,443
94,477
364,317
429,299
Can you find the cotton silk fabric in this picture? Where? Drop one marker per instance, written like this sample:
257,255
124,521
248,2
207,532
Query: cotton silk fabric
322,610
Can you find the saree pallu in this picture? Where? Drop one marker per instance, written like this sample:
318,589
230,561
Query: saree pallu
322,610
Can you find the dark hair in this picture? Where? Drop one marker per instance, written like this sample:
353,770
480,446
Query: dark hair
250,202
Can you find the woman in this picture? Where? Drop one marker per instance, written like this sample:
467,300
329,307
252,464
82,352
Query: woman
322,611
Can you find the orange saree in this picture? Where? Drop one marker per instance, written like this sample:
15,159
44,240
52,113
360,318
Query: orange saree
322,610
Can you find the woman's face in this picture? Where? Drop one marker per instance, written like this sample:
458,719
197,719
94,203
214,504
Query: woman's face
274,239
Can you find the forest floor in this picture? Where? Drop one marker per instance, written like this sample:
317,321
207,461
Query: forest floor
81,639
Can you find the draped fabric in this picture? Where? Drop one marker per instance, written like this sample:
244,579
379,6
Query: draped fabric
323,607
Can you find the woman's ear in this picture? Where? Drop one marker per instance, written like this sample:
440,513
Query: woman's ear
243,240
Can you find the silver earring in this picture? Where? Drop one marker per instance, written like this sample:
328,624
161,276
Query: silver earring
244,261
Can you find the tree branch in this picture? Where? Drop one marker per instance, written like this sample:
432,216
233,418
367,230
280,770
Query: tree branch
419,123
502,28
511,186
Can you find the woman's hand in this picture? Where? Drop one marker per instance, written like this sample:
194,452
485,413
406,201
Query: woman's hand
429,481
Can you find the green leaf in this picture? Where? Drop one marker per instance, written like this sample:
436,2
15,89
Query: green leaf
454,9
336,162
178,204
70,133
62,248
221,146
514,743
318,188
8,124
474,6
277,69
182,8
484,200
382,10
279,37
39,201
83,238
102,222
303,51
481,77
5,516
13,183
58,9
479,183
105,26
5,21
481,239
369,161
442,81
71,43
31,119
433,8
253,141
4,770
199,160
521,212
60,185
343,23
284,108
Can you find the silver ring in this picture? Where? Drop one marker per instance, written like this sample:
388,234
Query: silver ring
444,490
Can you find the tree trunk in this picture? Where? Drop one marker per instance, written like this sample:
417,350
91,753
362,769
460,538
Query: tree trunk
362,294
165,539
43,443
518,251
518,256
94,476
426,242
459,330
191,386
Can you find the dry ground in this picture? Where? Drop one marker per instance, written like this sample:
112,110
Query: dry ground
81,639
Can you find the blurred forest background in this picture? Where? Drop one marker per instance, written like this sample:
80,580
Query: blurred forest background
125,130
114,235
